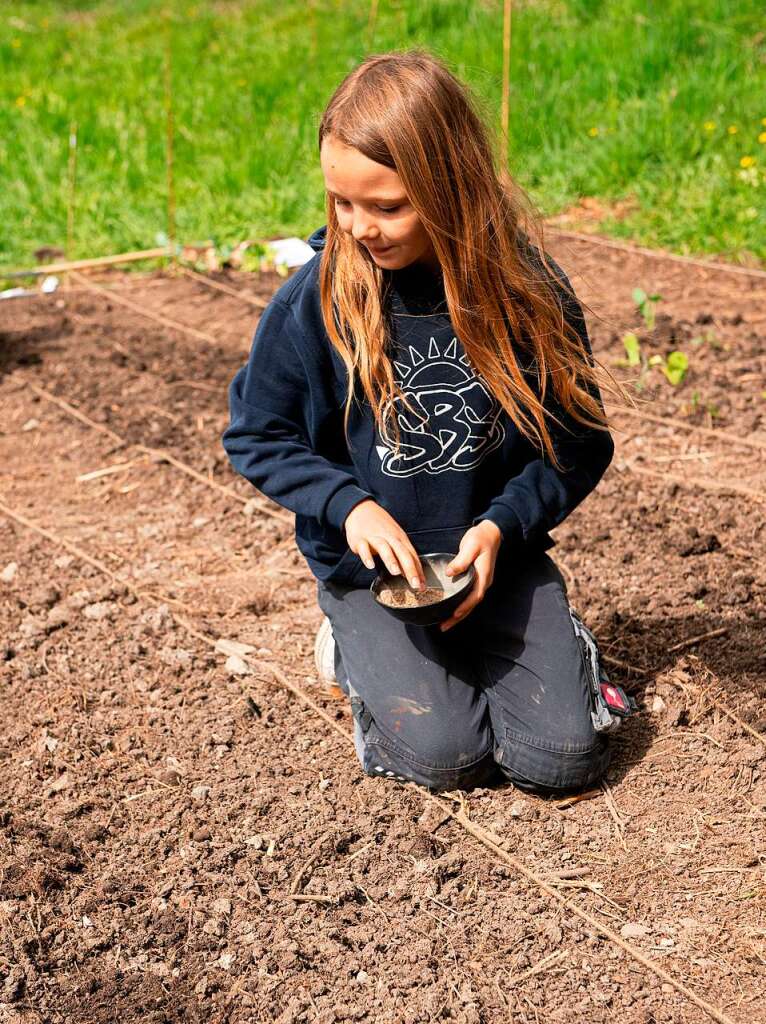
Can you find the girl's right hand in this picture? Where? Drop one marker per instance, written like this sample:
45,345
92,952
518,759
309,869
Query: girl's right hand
371,530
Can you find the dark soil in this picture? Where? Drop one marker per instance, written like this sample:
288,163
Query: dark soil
183,839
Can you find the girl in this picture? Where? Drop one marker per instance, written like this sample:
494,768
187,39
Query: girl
426,383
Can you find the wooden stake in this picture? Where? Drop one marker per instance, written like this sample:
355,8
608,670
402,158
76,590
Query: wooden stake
99,261
505,106
72,177
171,196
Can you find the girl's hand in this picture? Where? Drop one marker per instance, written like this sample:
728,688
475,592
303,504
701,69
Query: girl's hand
479,546
370,529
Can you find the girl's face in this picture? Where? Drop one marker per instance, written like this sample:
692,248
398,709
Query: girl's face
372,205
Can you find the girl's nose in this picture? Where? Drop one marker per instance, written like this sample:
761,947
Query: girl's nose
361,229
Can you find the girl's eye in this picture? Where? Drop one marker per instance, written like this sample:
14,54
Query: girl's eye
383,209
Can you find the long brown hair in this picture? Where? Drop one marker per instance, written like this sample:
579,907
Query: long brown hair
407,111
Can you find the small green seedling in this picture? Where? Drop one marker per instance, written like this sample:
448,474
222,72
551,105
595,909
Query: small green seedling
635,358
646,306
632,348
710,408
675,367
707,337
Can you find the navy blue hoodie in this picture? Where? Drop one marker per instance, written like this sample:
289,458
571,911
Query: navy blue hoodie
461,458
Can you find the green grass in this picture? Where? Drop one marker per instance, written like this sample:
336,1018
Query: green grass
609,98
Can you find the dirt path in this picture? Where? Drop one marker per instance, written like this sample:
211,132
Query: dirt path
181,842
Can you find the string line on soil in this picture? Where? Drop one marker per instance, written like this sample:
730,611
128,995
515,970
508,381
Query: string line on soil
658,254
487,838
225,288
159,455
724,486
725,435
175,325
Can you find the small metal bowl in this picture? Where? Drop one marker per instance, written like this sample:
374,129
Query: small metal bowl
434,564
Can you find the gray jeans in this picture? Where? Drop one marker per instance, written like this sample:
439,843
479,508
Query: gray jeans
505,689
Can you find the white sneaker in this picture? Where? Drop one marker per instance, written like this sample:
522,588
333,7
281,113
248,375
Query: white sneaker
324,655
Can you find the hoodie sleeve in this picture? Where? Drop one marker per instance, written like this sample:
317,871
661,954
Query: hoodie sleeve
541,497
272,416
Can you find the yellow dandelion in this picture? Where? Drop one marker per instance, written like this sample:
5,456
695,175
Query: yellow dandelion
747,161
593,132
709,126
15,43
20,101
732,129
762,137
763,121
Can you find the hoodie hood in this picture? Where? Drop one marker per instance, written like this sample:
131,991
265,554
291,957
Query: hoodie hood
318,238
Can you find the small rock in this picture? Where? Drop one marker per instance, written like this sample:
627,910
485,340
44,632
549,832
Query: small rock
250,507
324,784
170,777
201,835
236,666
362,977
225,646
59,616
63,561
100,610
199,521
9,572
200,793
226,960
522,809
658,704
42,598
58,785
666,942
222,906
31,424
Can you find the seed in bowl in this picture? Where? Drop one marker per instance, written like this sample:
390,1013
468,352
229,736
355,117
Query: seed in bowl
404,597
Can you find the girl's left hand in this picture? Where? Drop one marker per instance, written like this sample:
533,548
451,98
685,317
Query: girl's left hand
479,546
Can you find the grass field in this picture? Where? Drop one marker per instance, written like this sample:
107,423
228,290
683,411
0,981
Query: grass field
659,105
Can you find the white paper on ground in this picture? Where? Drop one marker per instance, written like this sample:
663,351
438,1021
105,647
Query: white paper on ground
293,252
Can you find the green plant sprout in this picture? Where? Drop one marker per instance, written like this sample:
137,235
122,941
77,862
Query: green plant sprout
696,404
646,306
707,337
632,348
674,367
635,358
